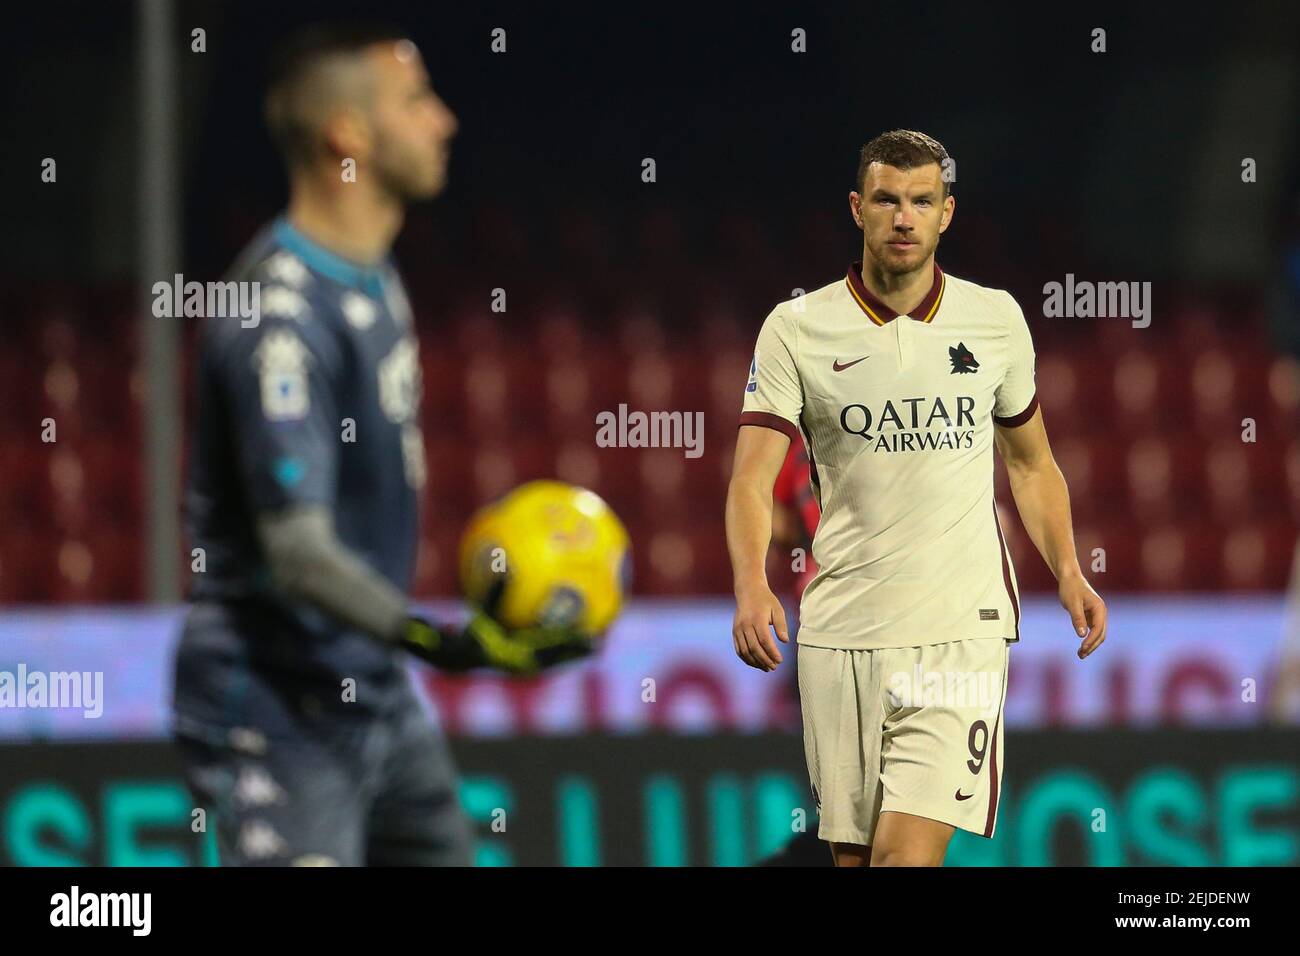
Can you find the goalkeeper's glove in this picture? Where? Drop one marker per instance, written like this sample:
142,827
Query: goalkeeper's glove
485,643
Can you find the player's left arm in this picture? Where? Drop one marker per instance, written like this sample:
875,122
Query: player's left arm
1039,488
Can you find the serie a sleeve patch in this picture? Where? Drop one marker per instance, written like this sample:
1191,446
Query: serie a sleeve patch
281,363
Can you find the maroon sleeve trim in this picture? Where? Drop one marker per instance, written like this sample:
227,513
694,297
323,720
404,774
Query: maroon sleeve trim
768,420
1016,420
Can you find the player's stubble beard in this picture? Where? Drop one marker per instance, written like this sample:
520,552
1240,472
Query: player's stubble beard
893,266
405,174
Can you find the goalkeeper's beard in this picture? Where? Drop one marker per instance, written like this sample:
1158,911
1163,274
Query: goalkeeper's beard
403,178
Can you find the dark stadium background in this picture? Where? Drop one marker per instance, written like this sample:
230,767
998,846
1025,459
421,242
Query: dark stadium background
1116,166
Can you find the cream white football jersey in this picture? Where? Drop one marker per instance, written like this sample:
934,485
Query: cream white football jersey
898,415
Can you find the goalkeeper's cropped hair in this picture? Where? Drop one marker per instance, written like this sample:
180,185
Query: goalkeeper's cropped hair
311,74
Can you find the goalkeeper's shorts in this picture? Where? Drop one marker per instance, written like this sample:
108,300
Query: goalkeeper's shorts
286,782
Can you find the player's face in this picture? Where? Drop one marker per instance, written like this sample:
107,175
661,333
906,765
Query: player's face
901,213
413,127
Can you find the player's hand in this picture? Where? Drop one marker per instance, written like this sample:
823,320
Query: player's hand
527,650
485,643
1087,612
758,610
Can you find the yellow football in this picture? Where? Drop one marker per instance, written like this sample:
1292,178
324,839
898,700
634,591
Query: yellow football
548,554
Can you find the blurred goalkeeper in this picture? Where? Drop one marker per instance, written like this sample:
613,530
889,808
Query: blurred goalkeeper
296,719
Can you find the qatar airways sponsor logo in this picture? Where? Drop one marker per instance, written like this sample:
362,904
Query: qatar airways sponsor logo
913,424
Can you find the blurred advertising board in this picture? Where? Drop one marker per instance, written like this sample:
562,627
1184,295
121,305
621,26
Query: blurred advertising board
669,666
1095,798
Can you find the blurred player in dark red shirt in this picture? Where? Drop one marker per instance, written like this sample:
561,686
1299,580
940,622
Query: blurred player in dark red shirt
795,512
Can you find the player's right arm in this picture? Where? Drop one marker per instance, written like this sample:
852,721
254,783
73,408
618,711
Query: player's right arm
773,404
760,452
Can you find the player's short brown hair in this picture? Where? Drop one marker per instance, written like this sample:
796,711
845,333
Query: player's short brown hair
904,149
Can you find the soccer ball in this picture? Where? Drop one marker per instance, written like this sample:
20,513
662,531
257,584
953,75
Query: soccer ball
547,554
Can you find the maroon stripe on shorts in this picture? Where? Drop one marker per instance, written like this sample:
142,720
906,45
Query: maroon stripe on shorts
993,773
993,750
1006,571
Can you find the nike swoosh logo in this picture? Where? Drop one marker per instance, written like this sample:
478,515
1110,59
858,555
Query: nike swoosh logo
961,796
839,368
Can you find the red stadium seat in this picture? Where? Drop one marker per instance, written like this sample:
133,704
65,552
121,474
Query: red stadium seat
116,490
1215,402
437,567
501,393
1245,559
1110,553
1181,557
1283,376
1257,556
666,561
578,463
1095,469
1067,408
443,387
670,481
1163,478
558,333
25,563
1227,479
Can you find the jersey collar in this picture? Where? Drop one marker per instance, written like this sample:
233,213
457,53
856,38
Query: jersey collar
880,313
369,279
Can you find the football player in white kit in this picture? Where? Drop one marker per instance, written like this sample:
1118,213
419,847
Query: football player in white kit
901,379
